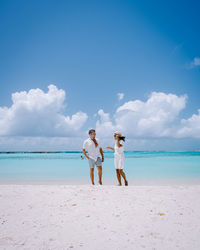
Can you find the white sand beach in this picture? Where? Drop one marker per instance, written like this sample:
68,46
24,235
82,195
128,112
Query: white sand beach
99,217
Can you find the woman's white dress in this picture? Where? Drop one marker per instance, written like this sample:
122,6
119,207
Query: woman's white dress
119,155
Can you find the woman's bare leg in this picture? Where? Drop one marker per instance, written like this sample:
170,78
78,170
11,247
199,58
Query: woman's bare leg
124,177
118,176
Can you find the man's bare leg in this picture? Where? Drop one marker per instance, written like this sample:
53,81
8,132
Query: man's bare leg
118,177
92,175
124,177
100,174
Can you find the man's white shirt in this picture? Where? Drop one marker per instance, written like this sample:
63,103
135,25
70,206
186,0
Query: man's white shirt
93,151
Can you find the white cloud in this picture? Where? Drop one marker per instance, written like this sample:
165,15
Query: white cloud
190,127
37,143
120,96
157,117
194,63
104,126
36,113
36,120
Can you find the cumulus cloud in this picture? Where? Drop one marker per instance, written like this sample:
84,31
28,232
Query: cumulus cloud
36,113
104,126
157,117
190,127
36,120
120,96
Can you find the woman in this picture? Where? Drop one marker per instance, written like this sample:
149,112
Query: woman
119,157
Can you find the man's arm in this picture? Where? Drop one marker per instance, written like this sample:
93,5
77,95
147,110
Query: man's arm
85,154
101,152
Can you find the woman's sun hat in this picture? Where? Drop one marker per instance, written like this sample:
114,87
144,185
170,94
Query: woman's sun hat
118,133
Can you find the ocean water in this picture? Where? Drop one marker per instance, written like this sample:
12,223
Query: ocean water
68,167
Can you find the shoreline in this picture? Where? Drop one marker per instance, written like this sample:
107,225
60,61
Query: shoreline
106,181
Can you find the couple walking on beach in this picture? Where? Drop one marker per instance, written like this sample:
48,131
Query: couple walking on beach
94,153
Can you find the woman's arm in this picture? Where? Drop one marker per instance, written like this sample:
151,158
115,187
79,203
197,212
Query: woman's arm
110,148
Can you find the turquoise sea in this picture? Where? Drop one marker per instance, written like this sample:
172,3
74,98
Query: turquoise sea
68,167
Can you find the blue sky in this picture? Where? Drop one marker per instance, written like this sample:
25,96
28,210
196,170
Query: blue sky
95,49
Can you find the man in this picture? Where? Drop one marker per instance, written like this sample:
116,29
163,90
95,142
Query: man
94,155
